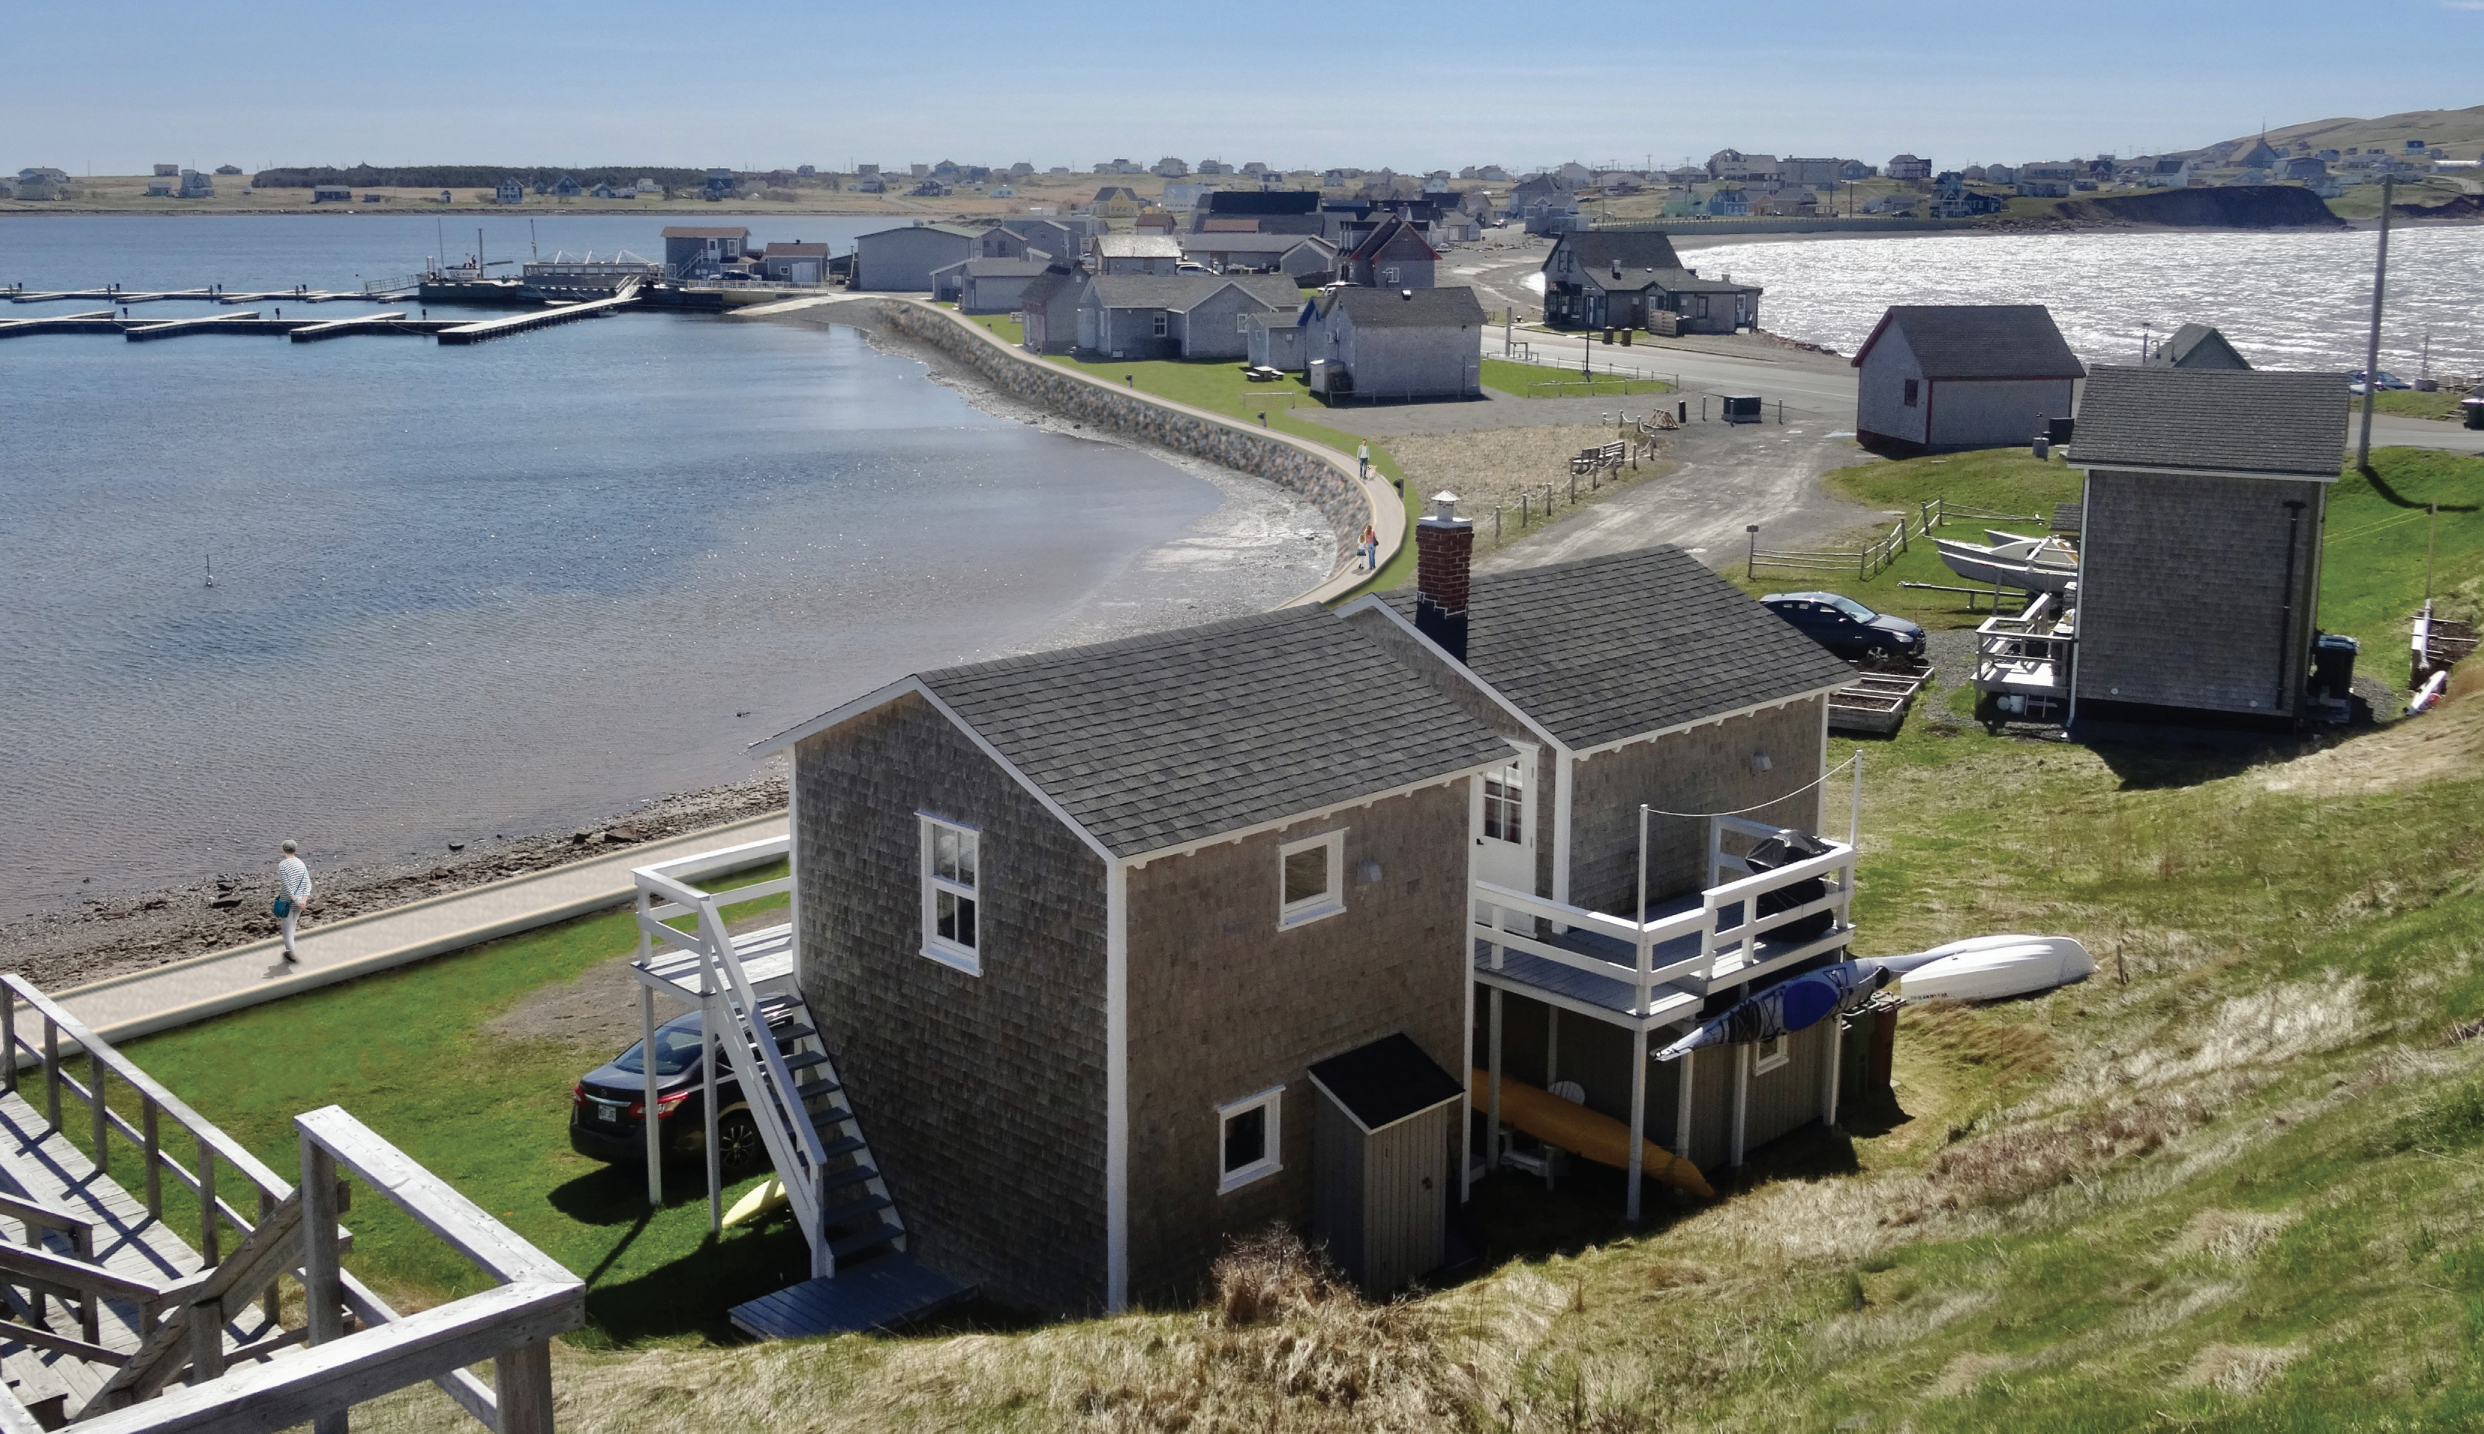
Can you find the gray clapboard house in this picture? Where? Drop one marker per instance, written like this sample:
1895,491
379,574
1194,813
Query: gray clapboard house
1641,677
1936,377
987,286
1376,345
902,260
1079,925
1187,316
1048,308
2199,562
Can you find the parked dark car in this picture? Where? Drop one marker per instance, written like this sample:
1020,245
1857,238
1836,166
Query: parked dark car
1848,628
607,1107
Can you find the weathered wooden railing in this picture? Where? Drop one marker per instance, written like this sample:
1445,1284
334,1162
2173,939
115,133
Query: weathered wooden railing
360,1348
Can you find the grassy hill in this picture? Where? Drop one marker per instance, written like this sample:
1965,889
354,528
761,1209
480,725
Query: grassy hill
2459,131
2226,1184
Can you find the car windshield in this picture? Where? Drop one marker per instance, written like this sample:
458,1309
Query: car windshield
1849,607
677,1049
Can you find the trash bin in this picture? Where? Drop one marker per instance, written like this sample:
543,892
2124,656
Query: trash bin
1782,850
2333,664
1608,336
2057,430
2473,403
1626,337
1742,408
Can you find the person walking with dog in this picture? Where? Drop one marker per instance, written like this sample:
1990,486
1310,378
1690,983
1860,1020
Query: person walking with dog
293,879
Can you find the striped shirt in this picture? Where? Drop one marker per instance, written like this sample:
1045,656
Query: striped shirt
296,879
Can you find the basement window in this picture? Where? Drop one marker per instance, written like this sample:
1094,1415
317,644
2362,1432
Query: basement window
1770,1054
1310,879
952,894
1247,1140
1914,390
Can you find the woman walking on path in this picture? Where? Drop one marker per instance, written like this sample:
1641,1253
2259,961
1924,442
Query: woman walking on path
294,877
1370,547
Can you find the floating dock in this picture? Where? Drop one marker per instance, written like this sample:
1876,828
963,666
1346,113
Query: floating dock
476,333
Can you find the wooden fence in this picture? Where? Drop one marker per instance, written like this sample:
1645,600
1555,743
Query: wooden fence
1874,557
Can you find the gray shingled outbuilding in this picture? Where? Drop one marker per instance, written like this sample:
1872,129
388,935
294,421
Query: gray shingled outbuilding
2199,569
1936,377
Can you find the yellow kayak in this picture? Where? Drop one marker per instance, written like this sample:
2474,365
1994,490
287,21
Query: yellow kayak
762,1198
1586,1134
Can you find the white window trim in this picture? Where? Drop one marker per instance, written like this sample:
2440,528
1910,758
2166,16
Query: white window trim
1762,1062
1330,902
968,959
1272,1099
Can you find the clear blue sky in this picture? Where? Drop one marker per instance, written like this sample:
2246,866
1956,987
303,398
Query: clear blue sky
114,85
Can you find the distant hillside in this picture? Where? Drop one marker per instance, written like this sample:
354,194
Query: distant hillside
2252,206
471,176
2459,131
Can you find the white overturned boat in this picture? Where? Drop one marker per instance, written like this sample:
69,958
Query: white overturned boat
2036,565
1990,968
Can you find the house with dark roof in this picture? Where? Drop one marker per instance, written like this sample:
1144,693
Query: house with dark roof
987,286
2197,346
700,251
1267,211
794,263
1186,316
901,260
2199,561
1048,308
1394,255
1306,258
1946,376
1079,924
1394,345
1636,679
1569,298
1666,301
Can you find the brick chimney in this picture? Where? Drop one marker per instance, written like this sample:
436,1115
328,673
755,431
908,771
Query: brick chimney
1444,552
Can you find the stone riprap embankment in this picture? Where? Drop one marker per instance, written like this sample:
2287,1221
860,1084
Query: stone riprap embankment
1328,485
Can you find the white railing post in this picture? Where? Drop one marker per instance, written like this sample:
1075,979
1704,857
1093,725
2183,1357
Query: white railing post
323,1290
1854,823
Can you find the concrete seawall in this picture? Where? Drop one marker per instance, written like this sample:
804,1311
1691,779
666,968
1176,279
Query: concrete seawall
1328,483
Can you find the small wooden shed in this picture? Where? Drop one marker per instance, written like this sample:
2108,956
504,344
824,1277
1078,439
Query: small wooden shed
1381,1162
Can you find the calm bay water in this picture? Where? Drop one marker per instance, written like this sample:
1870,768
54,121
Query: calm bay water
2286,300
461,592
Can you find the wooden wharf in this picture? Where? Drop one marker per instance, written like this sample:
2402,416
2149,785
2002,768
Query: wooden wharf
225,323
96,321
476,333
360,324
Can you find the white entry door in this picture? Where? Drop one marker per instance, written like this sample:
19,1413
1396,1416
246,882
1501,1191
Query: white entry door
1504,830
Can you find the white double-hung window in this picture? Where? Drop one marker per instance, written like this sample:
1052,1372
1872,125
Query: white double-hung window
1310,879
952,892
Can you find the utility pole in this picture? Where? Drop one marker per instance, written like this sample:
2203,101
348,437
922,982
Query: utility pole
2371,350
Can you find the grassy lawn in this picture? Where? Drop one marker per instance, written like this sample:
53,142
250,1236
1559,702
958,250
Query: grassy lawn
1530,380
2372,574
406,1053
1219,387
2406,403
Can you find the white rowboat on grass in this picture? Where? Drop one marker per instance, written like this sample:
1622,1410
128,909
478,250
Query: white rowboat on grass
2036,565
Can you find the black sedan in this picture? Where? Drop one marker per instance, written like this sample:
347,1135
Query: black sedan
1848,628
608,1110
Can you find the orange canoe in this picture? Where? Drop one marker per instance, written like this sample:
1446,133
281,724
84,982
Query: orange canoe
1586,1134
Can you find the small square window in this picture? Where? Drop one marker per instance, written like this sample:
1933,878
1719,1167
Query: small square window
1770,1054
1914,389
1310,879
1247,1143
952,894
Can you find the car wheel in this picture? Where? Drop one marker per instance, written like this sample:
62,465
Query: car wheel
738,1146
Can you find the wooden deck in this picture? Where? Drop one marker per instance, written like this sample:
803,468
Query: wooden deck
767,957
888,1292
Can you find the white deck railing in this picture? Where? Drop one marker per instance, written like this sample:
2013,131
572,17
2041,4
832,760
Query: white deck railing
1725,951
2027,655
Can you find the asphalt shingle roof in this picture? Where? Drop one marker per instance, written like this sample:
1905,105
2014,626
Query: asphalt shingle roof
1405,308
1179,293
1980,341
1175,737
1613,647
1598,248
2227,419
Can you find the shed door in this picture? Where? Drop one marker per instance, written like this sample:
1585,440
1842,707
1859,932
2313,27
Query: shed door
1504,829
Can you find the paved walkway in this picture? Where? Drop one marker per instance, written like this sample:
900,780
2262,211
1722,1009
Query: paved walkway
184,991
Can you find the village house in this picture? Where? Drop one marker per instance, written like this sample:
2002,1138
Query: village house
1048,308
1727,202
1116,201
2197,346
902,259
1123,254
987,286
1394,345
1285,211
1392,256
1946,376
1185,316
1570,296
700,251
1908,167
1127,950
1306,258
509,191
2199,555
794,263
1003,241
1062,239
1279,340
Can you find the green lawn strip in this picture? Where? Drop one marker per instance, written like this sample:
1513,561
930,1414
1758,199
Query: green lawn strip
1531,380
2407,403
404,1052
2372,558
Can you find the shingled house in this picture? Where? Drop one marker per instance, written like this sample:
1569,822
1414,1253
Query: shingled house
1394,255
1079,924
1580,253
1398,345
1636,678
2197,346
2199,563
1935,377
1187,316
